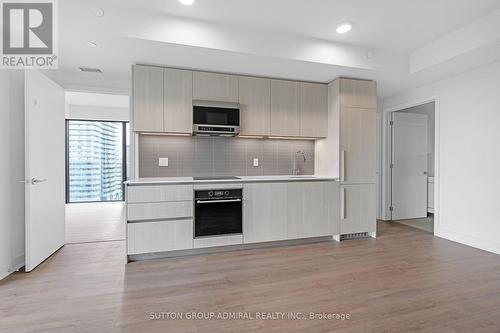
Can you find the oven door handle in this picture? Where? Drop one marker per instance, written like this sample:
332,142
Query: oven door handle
216,201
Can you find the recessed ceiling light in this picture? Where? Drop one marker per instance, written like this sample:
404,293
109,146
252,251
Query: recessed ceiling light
91,44
98,12
186,2
344,27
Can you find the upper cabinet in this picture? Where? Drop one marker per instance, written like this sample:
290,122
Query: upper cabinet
358,145
148,99
215,87
313,110
285,108
358,102
358,93
255,106
162,100
178,101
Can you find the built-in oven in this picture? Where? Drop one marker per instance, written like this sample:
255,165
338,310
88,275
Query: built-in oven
216,118
218,212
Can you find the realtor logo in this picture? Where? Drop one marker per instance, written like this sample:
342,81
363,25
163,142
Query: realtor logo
28,34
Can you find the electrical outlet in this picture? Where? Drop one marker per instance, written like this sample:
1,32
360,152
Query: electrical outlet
255,162
163,161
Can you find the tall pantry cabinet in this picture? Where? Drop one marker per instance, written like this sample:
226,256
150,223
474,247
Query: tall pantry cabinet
352,107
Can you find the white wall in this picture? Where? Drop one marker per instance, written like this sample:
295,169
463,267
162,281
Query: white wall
11,171
467,154
94,106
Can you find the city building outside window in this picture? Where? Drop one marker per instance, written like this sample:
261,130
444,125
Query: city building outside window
96,158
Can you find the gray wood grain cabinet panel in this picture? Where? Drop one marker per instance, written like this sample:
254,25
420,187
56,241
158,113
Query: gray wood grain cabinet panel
157,193
255,105
178,100
358,93
313,110
159,236
357,208
357,145
264,217
215,87
147,99
285,108
159,210
279,211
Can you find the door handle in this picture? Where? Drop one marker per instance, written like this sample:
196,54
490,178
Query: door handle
342,204
342,165
216,201
35,181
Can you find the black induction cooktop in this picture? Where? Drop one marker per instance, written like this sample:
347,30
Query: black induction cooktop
216,178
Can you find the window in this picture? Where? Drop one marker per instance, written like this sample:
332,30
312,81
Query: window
96,160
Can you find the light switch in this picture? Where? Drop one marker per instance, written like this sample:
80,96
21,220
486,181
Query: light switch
255,162
163,161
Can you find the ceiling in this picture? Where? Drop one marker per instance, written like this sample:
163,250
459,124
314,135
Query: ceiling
399,43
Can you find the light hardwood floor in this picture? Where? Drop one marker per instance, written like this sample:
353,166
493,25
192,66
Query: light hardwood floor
426,224
405,281
95,222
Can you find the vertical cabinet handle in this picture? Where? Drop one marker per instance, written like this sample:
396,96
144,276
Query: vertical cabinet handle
342,165
342,204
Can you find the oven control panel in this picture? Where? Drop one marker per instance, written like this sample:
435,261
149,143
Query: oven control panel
218,194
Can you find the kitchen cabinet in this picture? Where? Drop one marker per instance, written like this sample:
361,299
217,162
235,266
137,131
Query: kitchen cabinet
293,210
159,236
285,108
159,210
162,100
159,218
357,208
215,87
264,212
255,106
355,102
177,101
147,99
357,145
313,110
358,93
159,193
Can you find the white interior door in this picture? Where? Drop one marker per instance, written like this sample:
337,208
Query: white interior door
409,172
45,167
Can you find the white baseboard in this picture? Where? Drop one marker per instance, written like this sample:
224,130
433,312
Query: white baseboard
468,240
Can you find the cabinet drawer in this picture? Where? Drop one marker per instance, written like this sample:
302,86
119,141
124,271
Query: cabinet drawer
159,210
156,193
159,236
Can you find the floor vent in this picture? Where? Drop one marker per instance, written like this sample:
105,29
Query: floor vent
358,235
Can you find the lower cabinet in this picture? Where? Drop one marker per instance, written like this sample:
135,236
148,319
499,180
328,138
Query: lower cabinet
263,212
357,208
280,211
159,236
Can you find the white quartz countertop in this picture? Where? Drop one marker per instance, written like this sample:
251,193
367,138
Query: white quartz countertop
240,179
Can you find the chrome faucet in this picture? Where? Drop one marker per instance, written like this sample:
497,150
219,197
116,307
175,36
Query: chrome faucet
296,170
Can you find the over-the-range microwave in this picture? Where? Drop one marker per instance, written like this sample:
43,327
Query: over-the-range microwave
216,118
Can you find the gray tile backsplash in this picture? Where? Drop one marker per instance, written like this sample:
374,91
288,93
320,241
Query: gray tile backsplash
219,156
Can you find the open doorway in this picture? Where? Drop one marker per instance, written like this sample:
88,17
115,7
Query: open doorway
97,141
412,166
